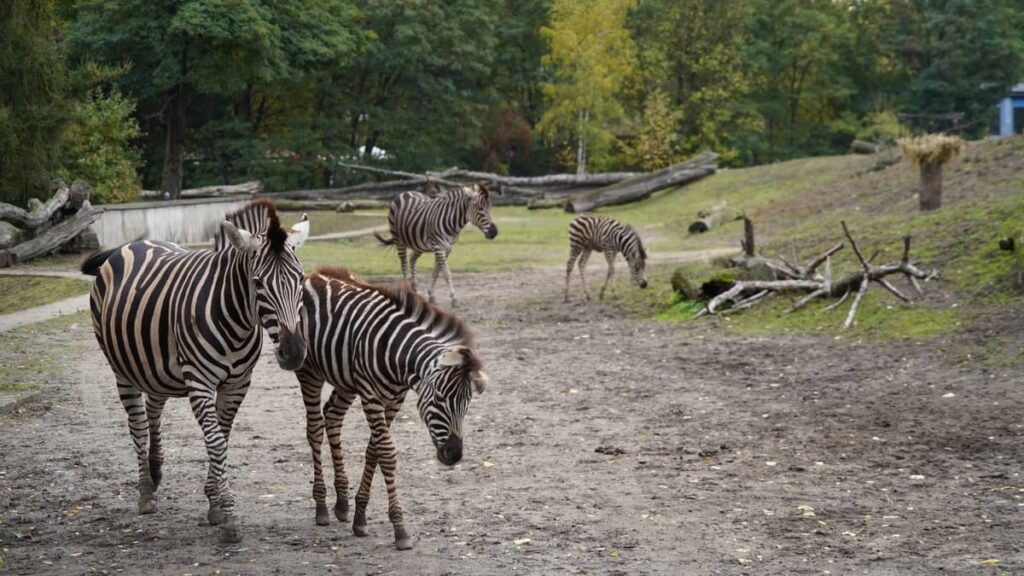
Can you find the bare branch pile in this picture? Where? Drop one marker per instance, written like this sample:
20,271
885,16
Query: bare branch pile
48,226
795,278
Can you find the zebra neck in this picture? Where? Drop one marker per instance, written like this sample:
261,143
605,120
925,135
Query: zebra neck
423,365
240,291
457,208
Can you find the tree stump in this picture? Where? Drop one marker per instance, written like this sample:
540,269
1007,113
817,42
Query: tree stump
930,187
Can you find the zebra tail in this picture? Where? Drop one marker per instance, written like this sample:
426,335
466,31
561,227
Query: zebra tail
91,266
383,240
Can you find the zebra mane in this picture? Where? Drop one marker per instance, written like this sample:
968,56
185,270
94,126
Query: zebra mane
266,211
402,295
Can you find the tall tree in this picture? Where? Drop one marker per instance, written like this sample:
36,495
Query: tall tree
179,51
591,54
692,50
33,98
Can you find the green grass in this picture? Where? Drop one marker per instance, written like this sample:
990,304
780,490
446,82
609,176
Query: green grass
526,239
330,222
24,292
24,364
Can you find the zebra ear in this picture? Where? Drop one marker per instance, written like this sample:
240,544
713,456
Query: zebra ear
299,232
241,240
480,381
454,356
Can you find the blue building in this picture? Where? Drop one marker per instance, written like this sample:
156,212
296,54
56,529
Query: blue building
1011,112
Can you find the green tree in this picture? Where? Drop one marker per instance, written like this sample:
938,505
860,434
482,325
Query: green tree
33,99
181,53
693,51
97,147
591,55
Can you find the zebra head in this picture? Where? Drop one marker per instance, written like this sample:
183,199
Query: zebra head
480,211
633,251
445,398
276,278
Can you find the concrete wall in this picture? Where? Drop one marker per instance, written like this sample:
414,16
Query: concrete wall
181,221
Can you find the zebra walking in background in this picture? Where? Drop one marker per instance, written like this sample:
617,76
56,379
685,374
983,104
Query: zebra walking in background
588,233
377,343
421,224
174,322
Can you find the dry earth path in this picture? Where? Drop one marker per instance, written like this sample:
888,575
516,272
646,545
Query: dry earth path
605,445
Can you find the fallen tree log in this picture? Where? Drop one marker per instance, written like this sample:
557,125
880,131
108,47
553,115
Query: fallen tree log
641,187
713,218
40,215
573,180
251,187
52,239
807,279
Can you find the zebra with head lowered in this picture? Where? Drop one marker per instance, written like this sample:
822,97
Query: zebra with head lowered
419,223
588,233
378,343
174,322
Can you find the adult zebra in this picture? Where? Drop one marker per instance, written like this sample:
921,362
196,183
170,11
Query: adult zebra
588,233
378,343
423,224
179,323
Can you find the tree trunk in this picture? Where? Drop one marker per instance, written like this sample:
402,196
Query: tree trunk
174,146
581,145
930,189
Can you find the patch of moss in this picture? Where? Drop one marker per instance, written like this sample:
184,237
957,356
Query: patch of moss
24,292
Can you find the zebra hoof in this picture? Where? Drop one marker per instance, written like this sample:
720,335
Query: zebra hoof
229,532
402,539
322,517
215,516
360,530
147,504
341,511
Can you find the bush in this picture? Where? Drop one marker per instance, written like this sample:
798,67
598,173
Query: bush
97,147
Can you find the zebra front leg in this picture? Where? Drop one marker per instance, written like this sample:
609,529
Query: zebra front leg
583,272
401,258
412,268
335,410
311,387
218,492
610,256
574,253
154,410
138,426
448,277
385,456
228,400
439,264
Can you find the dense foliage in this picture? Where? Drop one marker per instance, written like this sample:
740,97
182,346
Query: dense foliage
282,90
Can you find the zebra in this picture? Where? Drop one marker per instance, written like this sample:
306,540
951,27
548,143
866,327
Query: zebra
174,322
588,233
377,343
423,224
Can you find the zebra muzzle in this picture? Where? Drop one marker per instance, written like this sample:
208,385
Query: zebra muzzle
450,453
491,232
291,350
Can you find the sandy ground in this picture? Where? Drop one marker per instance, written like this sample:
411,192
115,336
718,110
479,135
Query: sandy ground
605,445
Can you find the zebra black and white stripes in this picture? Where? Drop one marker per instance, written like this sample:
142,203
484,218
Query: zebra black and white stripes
378,343
588,233
419,223
179,323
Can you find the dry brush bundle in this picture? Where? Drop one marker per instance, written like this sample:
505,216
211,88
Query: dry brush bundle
931,149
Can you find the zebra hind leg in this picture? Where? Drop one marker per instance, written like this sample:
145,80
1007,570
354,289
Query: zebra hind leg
583,272
574,253
337,406
154,410
440,266
138,426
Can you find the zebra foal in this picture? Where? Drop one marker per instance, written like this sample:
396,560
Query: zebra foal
378,343
419,223
174,323
588,233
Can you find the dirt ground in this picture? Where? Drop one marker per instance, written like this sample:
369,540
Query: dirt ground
604,445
